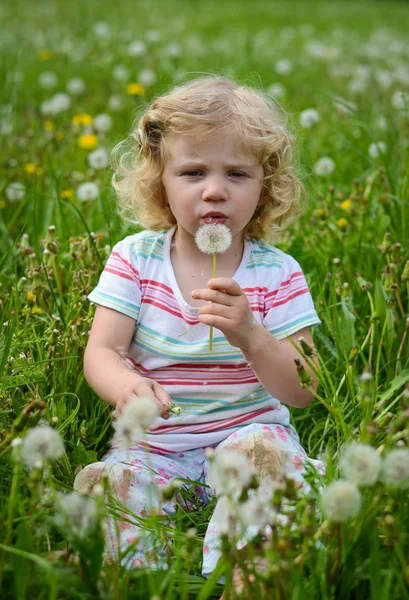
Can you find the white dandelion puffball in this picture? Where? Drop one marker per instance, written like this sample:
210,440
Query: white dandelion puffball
309,117
395,469
42,443
98,159
283,66
120,73
341,501
101,29
277,90
75,86
75,514
376,149
147,77
102,123
115,102
87,191
324,166
213,238
230,472
57,104
137,48
360,464
47,80
15,191
400,100
136,416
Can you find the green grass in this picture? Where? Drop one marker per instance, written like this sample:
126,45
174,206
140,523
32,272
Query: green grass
45,315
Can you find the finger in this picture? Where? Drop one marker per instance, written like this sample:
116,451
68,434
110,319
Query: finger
225,284
219,297
219,310
163,398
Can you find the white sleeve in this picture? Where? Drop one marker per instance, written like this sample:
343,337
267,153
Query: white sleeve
119,285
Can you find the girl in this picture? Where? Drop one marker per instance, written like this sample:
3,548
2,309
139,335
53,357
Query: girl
210,151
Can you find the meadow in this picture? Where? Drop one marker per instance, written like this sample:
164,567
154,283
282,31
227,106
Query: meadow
73,76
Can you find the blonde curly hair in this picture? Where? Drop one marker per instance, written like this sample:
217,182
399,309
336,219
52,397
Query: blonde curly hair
203,106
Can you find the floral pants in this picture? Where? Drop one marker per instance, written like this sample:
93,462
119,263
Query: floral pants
136,476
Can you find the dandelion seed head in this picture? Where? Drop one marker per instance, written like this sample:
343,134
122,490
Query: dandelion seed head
324,166
213,238
360,464
230,472
42,443
395,469
341,501
76,514
136,416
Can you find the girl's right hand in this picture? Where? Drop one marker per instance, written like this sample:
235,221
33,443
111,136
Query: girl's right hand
143,386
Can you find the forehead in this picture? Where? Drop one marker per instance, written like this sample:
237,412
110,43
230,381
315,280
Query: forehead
188,146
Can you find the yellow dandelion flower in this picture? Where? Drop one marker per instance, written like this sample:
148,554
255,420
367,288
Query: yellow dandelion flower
88,141
59,135
31,297
346,204
82,119
44,54
67,194
36,310
135,89
49,125
320,212
342,223
2,203
30,168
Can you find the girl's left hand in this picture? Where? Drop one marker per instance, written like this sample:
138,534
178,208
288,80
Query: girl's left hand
228,309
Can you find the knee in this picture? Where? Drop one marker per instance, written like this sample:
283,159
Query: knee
88,477
264,452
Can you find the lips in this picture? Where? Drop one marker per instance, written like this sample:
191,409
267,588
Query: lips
214,217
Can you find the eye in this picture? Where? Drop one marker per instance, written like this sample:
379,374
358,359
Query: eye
237,174
192,173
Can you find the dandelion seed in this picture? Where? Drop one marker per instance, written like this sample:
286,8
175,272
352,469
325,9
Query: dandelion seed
75,86
87,191
98,159
136,416
395,469
137,48
341,501
309,117
324,166
230,472
120,73
103,123
277,90
76,514
283,66
360,464
42,443
376,149
15,191
57,104
47,80
147,77
115,102
213,238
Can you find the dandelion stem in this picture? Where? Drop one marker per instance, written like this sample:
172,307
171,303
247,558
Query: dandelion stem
211,328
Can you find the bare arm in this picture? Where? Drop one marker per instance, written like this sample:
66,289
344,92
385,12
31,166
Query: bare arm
273,364
105,368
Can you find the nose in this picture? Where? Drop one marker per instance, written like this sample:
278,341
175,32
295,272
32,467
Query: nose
215,188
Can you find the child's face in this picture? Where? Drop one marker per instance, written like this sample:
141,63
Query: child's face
214,175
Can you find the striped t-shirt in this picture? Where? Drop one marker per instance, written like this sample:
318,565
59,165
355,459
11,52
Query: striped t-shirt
217,391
